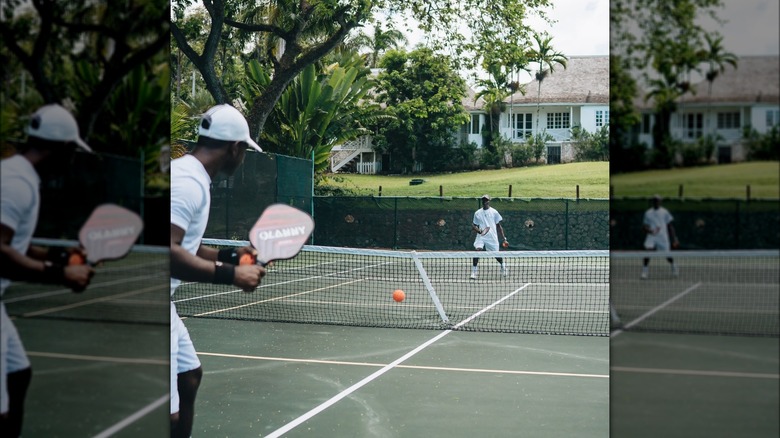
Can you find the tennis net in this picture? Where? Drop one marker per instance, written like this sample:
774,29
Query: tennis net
134,289
555,292
709,292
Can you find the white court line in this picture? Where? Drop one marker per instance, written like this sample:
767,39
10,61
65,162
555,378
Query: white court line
133,418
268,300
66,291
700,373
412,367
99,358
93,301
333,400
297,280
654,310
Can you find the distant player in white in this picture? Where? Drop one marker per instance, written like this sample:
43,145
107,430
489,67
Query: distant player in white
658,228
487,223
223,137
53,137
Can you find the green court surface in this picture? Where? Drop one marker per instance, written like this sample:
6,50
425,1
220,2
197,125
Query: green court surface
100,358
335,381
678,385
93,378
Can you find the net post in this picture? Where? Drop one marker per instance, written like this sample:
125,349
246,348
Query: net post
429,287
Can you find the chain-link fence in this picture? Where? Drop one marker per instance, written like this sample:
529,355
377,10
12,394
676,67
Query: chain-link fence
701,223
445,223
263,179
67,199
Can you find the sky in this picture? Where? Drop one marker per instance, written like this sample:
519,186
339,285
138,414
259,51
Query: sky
581,28
751,27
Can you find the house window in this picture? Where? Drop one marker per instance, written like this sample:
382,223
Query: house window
523,125
693,125
558,121
772,118
645,123
602,118
728,120
474,127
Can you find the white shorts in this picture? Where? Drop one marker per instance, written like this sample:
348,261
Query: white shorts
183,356
12,355
487,245
658,243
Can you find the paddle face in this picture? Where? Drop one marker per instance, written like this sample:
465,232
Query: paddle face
280,233
109,233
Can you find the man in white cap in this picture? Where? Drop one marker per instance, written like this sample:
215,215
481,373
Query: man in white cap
487,223
53,137
223,137
657,224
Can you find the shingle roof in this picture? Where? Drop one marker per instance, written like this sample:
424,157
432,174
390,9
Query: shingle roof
468,101
585,80
755,80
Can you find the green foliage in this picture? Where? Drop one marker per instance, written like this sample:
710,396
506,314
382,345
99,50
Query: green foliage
424,93
590,146
536,144
318,111
464,156
521,154
665,42
762,146
107,65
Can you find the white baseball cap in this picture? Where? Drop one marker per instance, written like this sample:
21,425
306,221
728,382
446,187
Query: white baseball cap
55,123
223,122
486,196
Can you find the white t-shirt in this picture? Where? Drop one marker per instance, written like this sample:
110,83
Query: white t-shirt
483,219
190,203
657,220
20,201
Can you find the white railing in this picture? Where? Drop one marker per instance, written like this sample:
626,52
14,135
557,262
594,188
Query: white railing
335,166
369,167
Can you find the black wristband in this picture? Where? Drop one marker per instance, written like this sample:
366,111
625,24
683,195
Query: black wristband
53,272
57,255
224,273
228,255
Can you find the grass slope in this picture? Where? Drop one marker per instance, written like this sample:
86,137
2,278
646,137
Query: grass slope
553,181
717,181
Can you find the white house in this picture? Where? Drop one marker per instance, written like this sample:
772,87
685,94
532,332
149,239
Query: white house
575,96
746,96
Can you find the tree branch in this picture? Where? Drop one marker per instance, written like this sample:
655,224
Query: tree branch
261,27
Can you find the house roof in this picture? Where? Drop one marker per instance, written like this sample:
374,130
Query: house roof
469,103
755,80
585,80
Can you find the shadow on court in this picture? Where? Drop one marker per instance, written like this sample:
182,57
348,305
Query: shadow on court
260,378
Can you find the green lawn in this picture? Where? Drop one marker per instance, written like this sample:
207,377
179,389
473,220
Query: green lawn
544,181
717,181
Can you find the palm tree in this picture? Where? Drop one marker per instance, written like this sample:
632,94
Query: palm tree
379,42
545,56
716,58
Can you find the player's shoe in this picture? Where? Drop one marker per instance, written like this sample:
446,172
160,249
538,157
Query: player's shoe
473,274
504,271
675,271
644,275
